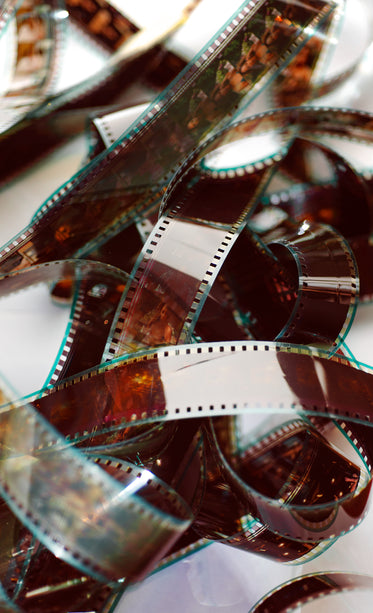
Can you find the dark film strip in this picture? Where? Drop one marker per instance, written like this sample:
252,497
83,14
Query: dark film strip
102,21
311,587
37,34
133,55
148,165
136,465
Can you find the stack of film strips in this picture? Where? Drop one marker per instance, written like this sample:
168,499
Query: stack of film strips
187,390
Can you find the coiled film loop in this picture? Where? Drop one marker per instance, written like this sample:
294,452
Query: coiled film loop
88,522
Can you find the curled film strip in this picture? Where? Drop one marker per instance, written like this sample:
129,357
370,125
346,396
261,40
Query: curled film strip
310,588
66,111
122,50
115,390
32,33
260,517
186,108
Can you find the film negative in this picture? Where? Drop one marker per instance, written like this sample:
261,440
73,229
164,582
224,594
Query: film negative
134,368
122,51
326,61
103,22
7,279
321,68
31,63
67,110
194,286
104,174
153,481
311,587
197,352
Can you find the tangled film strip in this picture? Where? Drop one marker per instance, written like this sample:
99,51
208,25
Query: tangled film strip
212,262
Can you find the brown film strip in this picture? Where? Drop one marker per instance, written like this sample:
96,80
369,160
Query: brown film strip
309,588
219,350
28,254
102,21
16,277
190,286
133,56
180,105
135,369
32,70
67,111
142,374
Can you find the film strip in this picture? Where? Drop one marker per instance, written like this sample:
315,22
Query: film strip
31,62
309,588
61,112
321,68
145,183
131,399
197,352
67,111
315,71
102,21
35,36
351,501
194,285
74,426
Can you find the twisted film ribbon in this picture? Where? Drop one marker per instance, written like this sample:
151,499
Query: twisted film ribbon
36,106
311,587
153,381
